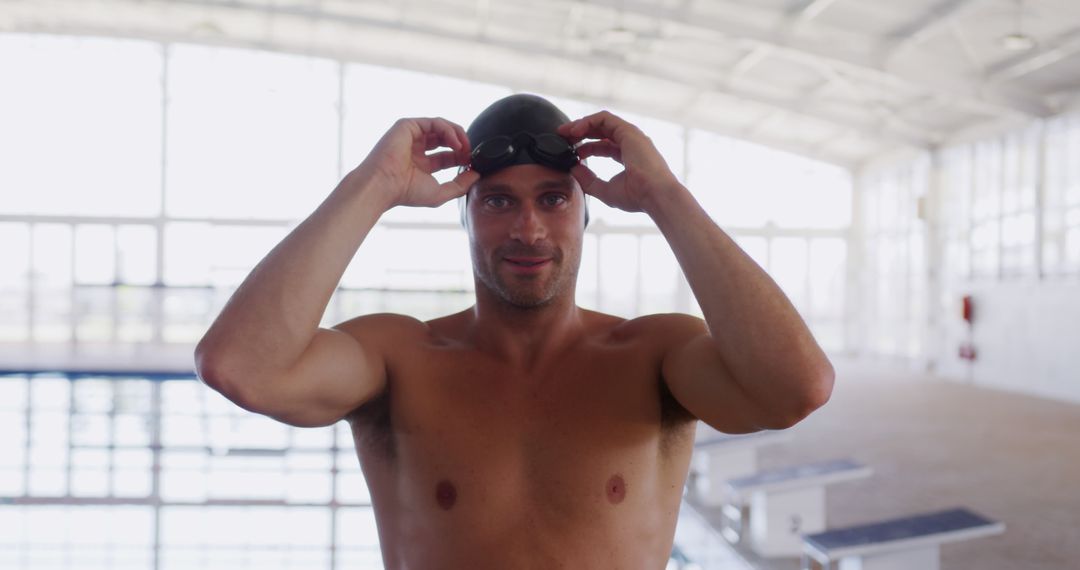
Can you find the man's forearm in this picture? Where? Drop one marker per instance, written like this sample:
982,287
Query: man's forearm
275,313
762,339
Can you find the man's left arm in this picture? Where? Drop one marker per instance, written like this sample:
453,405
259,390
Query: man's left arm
757,366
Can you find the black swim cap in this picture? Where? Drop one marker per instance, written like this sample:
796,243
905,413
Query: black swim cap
510,116
515,114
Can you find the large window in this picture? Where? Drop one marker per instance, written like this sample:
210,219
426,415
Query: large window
249,134
1003,209
102,472
893,316
141,182
790,214
205,157
81,126
1061,222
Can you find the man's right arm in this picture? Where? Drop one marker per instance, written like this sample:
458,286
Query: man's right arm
266,351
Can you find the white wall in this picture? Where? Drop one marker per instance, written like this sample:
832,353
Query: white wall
1026,337
998,219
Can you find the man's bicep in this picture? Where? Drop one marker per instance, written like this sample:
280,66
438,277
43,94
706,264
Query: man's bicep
334,376
698,379
343,368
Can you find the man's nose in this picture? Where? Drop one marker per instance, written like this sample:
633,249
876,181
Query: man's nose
528,226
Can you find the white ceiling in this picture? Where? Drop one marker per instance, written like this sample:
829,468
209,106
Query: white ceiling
845,81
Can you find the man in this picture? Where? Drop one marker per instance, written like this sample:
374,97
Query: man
525,431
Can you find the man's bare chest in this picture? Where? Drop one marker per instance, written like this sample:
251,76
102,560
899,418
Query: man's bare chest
560,433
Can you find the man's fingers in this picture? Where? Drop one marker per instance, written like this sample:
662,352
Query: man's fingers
462,182
589,181
466,149
602,125
440,132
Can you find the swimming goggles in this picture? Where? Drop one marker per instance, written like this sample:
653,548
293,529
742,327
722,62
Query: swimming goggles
546,149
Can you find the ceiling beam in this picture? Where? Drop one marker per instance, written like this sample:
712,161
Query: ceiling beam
929,24
465,71
810,10
968,91
873,130
965,91
795,19
1064,46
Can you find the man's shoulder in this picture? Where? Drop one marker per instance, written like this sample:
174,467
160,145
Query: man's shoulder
671,327
383,328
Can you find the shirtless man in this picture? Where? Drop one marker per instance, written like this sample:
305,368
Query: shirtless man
523,432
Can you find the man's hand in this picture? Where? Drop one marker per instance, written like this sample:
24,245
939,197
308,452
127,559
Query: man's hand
404,169
645,176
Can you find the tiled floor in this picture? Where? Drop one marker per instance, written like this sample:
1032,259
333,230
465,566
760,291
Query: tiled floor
935,444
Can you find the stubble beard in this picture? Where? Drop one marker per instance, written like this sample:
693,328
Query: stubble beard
529,292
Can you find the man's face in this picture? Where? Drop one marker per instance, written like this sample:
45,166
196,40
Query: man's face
526,224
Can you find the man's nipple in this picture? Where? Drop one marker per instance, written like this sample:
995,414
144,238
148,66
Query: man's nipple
445,494
615,489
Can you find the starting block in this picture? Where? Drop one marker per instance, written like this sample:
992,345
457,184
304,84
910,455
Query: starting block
898,544
720,457
775,508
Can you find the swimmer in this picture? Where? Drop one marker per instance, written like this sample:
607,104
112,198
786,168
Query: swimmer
525,431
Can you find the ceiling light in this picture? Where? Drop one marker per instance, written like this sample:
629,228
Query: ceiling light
1017,42
618,36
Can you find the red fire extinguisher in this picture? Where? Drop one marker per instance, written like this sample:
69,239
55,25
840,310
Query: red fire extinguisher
967,311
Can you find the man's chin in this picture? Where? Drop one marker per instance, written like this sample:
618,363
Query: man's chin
526,300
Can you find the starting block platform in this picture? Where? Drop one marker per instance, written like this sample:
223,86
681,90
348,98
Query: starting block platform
776,508
903,543
720,457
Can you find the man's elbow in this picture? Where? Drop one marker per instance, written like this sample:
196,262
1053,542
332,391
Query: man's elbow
214,371
816,389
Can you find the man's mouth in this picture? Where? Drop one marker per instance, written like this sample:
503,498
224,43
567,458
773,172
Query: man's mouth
528,262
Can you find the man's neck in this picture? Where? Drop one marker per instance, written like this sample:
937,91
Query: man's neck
525,337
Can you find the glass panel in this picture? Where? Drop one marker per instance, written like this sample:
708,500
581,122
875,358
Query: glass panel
232,537
90,430
722,186
52,265
13,393
412,259
48,393
13,444
186,314
660,276
755,185
136,254
352,487
95,254
370,112
588,295
308,487
104,95
313,438
619,273
226,157
14,285
12,484
210,254
828,266
356,529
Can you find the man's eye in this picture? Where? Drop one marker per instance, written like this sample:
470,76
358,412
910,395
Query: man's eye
497,201
554,199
